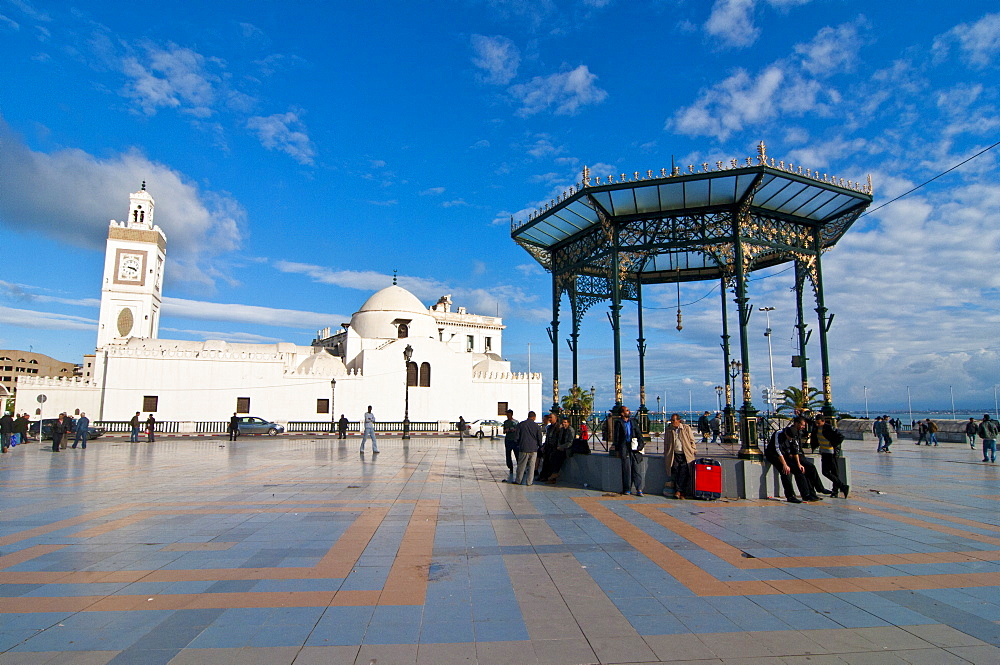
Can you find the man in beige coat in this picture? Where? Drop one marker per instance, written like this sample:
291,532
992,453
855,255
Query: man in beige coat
679,453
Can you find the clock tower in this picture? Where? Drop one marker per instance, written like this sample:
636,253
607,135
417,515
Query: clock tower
133,275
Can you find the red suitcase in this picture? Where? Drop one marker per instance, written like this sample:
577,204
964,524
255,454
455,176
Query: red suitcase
707,479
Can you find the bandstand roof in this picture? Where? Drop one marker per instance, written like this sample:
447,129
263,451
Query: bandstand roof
674,223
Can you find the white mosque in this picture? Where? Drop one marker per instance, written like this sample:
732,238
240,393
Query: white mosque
454,365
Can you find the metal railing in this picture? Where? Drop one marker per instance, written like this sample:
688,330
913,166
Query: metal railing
124,426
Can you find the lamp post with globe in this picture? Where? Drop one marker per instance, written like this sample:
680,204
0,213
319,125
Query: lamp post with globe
407,354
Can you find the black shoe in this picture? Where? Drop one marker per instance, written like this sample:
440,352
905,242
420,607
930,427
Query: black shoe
812,499
845,489
794,499
825,491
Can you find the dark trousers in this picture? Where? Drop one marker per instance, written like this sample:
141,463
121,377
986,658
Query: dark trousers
681,473
233,433
56,440
342,434
832,470
511,449
81,436
631,470
812,475
786,479
553,462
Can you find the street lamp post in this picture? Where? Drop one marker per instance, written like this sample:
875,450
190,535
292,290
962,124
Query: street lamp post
333,411
770,358
730,437
407,354
909,404
718,394
951,389
867,417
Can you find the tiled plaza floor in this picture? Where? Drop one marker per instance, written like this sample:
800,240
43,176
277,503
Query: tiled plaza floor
300,550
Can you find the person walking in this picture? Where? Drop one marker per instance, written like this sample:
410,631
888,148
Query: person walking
510,444
987,431
150,428
234,427
679,454
971,428
342,427
6,431
704,428
715,424
932,430
461,428
134,423
878,429
59,427
369,425
887,432
829,441
82,431
629,443
529,441
921,432
21,428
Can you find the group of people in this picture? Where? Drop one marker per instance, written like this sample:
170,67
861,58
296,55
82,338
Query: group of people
986,429
927,430
13,430
537,451
136,423
785,450
884,427
711,426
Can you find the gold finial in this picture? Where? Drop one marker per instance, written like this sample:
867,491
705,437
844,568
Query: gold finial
597,180
734,163
586,176
649,174
663,173
762,153
676,171
718,165
781,164
870,190
704,167
749,161
690,168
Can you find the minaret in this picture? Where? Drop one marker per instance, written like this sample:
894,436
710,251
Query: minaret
133,275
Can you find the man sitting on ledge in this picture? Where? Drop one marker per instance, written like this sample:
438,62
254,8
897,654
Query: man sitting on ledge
784,452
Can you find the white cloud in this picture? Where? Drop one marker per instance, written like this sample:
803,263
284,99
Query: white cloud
832,51
284,132
978,42
26,318
269,316
199,224
543,147
731,105
497,56
732,21
511,300
171,77
460,203
566,91
28,293
229,336
432,191
9,22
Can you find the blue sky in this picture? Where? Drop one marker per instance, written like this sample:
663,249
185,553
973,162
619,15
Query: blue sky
301,153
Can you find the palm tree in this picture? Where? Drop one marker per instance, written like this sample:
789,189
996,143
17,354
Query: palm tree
796,398
578,401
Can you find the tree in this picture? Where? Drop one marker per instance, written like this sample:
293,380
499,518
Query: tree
578,400
796,398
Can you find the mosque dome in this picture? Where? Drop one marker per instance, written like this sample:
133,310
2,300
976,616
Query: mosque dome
383,314
322,363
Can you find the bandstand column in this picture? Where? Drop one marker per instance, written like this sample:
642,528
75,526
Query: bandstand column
616,311
800,279
554,338
574,337
824,326
643,413
729,419
748,414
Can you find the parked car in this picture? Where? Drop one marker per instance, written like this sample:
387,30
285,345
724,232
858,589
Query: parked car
484,428
254,425
93,432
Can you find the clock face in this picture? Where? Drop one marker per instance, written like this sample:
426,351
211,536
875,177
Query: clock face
130,267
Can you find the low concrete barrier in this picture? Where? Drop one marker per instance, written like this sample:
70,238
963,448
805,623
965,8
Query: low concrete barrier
741,479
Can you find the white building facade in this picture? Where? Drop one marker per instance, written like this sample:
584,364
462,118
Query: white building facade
455,367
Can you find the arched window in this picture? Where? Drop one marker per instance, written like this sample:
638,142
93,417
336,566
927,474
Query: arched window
404,331
411,374
425,375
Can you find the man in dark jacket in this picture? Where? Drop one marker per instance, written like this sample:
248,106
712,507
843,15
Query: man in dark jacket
704,428
559,440
629,444
59,427
234,427
6,430
342,427
529,440
784,452
21,427
829,441
510,444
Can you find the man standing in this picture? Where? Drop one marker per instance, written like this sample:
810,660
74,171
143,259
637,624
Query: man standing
987,431
878,429
82,430
58,430
6,431
629,444
510,444
342,427
369,424
529,440
703,427
21,427
829,441
715,424
234,427
134,438
971,428
679,453
150,428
